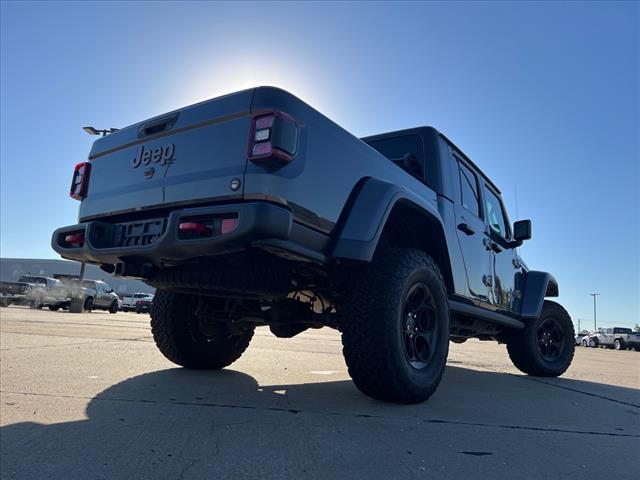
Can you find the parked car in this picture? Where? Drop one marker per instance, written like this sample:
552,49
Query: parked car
143,305
129,301
96,294
255,209
580,337
20,293
35,291
620,338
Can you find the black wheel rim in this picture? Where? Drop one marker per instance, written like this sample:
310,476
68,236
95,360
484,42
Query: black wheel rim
550,339
419,326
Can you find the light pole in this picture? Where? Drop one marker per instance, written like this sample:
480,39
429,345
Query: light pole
595,325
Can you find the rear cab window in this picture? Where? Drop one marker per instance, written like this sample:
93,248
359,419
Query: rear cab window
396,148
29,279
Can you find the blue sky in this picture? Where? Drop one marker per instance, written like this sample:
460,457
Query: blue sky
544,97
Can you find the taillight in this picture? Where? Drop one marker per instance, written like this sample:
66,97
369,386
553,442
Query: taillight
74,239
80,181
200,227
273,138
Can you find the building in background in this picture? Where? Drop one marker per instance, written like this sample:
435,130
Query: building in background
12,268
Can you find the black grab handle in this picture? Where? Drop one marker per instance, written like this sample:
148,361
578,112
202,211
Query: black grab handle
157,126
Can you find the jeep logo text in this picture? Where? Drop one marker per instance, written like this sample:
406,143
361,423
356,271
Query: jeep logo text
162,155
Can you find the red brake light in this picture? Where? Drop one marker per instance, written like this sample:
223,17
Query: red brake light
273,137
80,181
194,227
74,240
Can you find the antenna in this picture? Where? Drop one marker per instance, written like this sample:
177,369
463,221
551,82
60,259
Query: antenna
515,193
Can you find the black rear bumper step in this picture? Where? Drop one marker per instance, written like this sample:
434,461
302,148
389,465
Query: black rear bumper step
161,244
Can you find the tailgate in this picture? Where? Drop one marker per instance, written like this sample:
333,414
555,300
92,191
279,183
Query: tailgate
187,156
13,288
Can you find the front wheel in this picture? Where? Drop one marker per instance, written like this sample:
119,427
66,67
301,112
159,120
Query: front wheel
88,304
396,326
593,343
113,308
190,340
546,346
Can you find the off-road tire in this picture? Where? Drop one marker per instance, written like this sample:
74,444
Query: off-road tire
87,306
619,344
174,324
522,345
372,332
113,308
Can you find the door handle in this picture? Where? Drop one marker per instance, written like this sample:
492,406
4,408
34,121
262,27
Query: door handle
491,245
466,229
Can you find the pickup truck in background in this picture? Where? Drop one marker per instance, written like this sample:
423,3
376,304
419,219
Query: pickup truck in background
620,338
255,209
129,301
96,294
35,291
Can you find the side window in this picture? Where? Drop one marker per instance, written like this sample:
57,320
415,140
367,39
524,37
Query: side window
494,214
469,190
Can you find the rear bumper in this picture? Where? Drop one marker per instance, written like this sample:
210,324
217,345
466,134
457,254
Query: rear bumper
257,221
16,299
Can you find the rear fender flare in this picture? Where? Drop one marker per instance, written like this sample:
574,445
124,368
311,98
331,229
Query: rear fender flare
366,214
537,286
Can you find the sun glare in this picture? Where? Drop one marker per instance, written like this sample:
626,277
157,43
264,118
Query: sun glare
247,73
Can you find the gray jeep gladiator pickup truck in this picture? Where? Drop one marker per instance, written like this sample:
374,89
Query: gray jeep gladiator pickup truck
255,209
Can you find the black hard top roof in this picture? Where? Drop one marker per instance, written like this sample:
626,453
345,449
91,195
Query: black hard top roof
433,132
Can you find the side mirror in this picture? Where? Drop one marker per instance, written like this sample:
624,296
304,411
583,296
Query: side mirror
522,230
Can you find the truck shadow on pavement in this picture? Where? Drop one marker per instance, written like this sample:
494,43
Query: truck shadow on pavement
164,421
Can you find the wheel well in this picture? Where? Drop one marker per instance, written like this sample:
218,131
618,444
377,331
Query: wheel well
408,226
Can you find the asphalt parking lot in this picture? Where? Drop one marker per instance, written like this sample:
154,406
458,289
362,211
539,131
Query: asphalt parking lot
88,396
